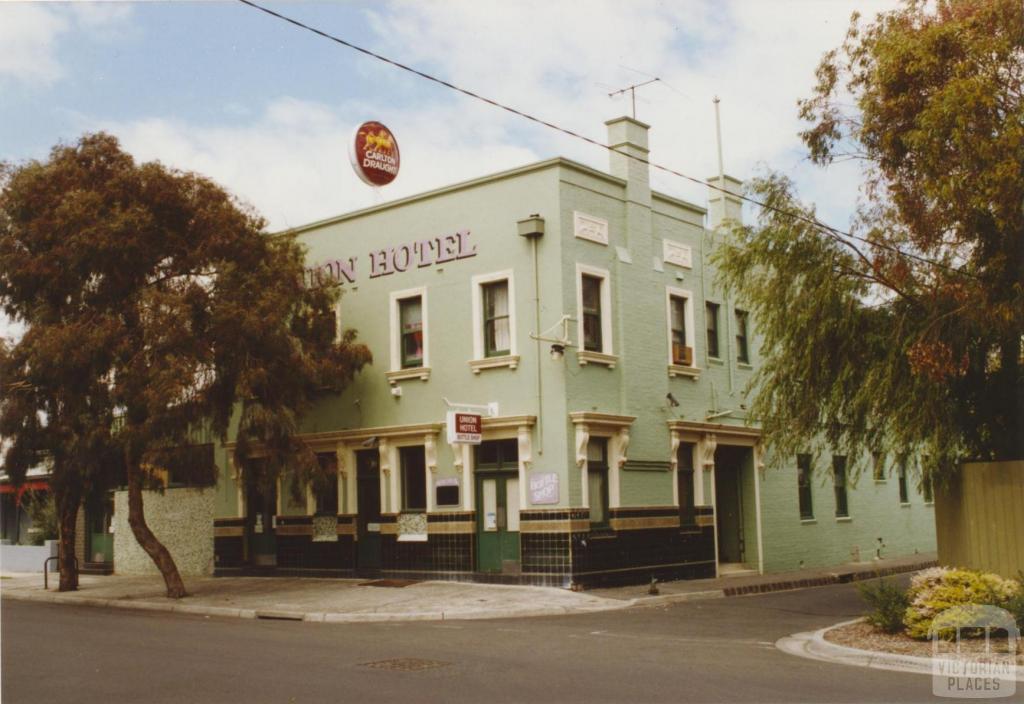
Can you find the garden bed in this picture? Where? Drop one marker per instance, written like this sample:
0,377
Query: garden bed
864,636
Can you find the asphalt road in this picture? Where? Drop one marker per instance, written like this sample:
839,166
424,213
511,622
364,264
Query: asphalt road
709,651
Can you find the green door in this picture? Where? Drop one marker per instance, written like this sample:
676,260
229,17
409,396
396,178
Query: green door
497,528
261,506
368,500
729,512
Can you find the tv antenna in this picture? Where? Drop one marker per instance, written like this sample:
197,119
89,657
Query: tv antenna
632,92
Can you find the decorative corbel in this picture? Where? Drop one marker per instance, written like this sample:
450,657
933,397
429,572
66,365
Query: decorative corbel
673,458
525,446
582,438
457,456
710,443
430,452
384,451
623,435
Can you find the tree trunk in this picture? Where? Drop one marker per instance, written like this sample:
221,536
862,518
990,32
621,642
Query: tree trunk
67,511
149,542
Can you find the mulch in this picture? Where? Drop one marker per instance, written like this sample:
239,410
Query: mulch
864,636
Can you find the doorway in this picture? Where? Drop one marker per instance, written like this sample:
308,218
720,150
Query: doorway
368,501
497,501
261,523
729,504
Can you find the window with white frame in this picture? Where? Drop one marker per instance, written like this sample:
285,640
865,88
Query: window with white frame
593,301
680,327
409,340
494,315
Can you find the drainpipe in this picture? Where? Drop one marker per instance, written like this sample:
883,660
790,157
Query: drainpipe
532,228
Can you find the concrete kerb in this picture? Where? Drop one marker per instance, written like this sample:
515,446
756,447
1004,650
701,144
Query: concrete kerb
319,616
814,646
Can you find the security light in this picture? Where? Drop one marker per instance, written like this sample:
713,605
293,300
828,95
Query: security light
557,351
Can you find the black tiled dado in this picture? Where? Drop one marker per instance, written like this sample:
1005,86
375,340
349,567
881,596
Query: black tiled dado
228,551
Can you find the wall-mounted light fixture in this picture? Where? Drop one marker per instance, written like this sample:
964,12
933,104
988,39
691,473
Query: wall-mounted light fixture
558,344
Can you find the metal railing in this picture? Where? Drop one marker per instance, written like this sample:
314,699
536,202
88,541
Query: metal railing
46,573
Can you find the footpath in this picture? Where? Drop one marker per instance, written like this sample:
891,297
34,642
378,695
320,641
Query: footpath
361,600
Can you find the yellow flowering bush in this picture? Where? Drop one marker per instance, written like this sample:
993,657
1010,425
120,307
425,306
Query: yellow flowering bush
942,589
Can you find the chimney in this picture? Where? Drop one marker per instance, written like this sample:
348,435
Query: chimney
723,207
629,136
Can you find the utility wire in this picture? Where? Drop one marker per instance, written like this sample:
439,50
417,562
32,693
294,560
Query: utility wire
833,232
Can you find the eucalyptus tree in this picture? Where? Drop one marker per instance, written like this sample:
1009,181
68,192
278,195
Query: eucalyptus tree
906,334
193,319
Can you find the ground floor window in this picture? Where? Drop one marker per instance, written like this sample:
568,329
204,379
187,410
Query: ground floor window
325,489
901,475
414,478
803,481
839,482
597,481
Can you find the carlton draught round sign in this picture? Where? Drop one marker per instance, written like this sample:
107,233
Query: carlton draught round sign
373,151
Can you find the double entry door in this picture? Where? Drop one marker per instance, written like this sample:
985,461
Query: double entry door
497,505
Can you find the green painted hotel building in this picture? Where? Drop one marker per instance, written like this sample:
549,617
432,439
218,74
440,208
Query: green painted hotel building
576,312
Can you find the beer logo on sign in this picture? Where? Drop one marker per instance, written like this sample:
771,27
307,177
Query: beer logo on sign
374,154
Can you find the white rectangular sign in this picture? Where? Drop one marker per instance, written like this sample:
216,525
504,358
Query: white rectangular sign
543,488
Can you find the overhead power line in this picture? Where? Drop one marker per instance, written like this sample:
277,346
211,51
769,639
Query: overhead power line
833,232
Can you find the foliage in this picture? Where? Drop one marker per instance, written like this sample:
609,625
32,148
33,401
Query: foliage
888,602
907,336
166,311
949,593
42,509
1015,604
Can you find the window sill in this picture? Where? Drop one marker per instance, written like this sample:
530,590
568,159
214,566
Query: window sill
601,533
413,538
716,361
675,370
506,360
808,521
843,519
585,357
744,365
398,375
905,504
879,481
929,503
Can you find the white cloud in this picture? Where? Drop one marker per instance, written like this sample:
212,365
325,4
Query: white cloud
291,163
30,35
556,59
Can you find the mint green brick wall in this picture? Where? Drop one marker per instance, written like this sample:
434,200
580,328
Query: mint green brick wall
874,510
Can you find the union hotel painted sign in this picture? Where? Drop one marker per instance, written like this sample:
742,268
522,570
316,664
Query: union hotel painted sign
390,260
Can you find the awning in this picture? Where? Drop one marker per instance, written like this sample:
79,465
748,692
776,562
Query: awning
19,491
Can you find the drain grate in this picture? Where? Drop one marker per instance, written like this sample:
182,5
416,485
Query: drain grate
396,583
405,664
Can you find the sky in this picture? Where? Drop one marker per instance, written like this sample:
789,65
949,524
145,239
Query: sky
267,109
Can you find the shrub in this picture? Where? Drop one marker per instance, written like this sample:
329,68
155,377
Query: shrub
939,589
888,602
